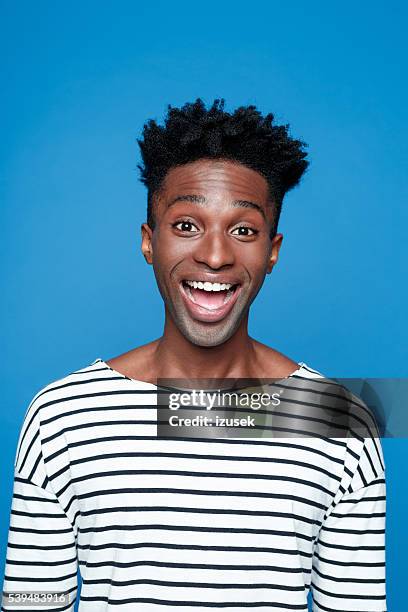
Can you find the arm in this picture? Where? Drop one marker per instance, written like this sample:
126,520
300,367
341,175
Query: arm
348,571
41,550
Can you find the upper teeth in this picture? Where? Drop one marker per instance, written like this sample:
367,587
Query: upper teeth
209,286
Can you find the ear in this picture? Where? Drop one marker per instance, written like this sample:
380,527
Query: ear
147,242
274,252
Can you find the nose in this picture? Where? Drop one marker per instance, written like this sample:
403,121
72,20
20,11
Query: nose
214,250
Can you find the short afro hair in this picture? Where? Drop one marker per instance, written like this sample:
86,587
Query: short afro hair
194,132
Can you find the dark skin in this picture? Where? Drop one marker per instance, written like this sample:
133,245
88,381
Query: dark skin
200,237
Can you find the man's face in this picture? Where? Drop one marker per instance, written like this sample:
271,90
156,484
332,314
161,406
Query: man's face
211,246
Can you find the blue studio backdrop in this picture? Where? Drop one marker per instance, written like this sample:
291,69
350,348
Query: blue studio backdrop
80,79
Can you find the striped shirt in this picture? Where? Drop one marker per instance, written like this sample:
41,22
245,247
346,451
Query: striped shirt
156,524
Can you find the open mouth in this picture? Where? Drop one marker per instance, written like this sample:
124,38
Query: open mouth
209,301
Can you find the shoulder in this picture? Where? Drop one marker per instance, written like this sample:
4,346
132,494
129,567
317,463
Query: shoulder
50,402
67,383
69,386
274,364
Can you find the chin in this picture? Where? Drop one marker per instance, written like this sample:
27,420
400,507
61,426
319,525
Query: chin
207,337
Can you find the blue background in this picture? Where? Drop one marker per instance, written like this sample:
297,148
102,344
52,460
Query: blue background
79,80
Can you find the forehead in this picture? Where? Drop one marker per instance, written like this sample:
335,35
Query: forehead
216,177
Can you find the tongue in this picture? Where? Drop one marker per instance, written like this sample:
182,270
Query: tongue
208,299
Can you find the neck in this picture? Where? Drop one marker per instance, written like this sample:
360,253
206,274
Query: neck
184,359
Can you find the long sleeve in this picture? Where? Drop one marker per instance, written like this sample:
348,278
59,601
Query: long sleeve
348,571
41,550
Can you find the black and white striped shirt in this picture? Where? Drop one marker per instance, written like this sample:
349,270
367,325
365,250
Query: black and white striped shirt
157,524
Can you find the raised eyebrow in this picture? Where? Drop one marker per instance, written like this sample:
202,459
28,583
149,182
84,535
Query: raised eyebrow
249,204
195,199
200,199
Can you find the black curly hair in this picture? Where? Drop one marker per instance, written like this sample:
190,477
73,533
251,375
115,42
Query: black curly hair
194,132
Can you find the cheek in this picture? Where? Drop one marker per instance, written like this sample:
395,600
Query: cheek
169,248
254,257
168,252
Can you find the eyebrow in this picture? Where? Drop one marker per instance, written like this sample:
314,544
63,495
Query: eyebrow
200,199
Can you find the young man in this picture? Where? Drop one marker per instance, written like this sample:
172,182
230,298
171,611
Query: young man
157,524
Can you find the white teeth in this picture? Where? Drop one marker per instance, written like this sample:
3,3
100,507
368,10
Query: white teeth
207,286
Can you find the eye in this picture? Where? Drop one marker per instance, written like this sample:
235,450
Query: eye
243,230
185,226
